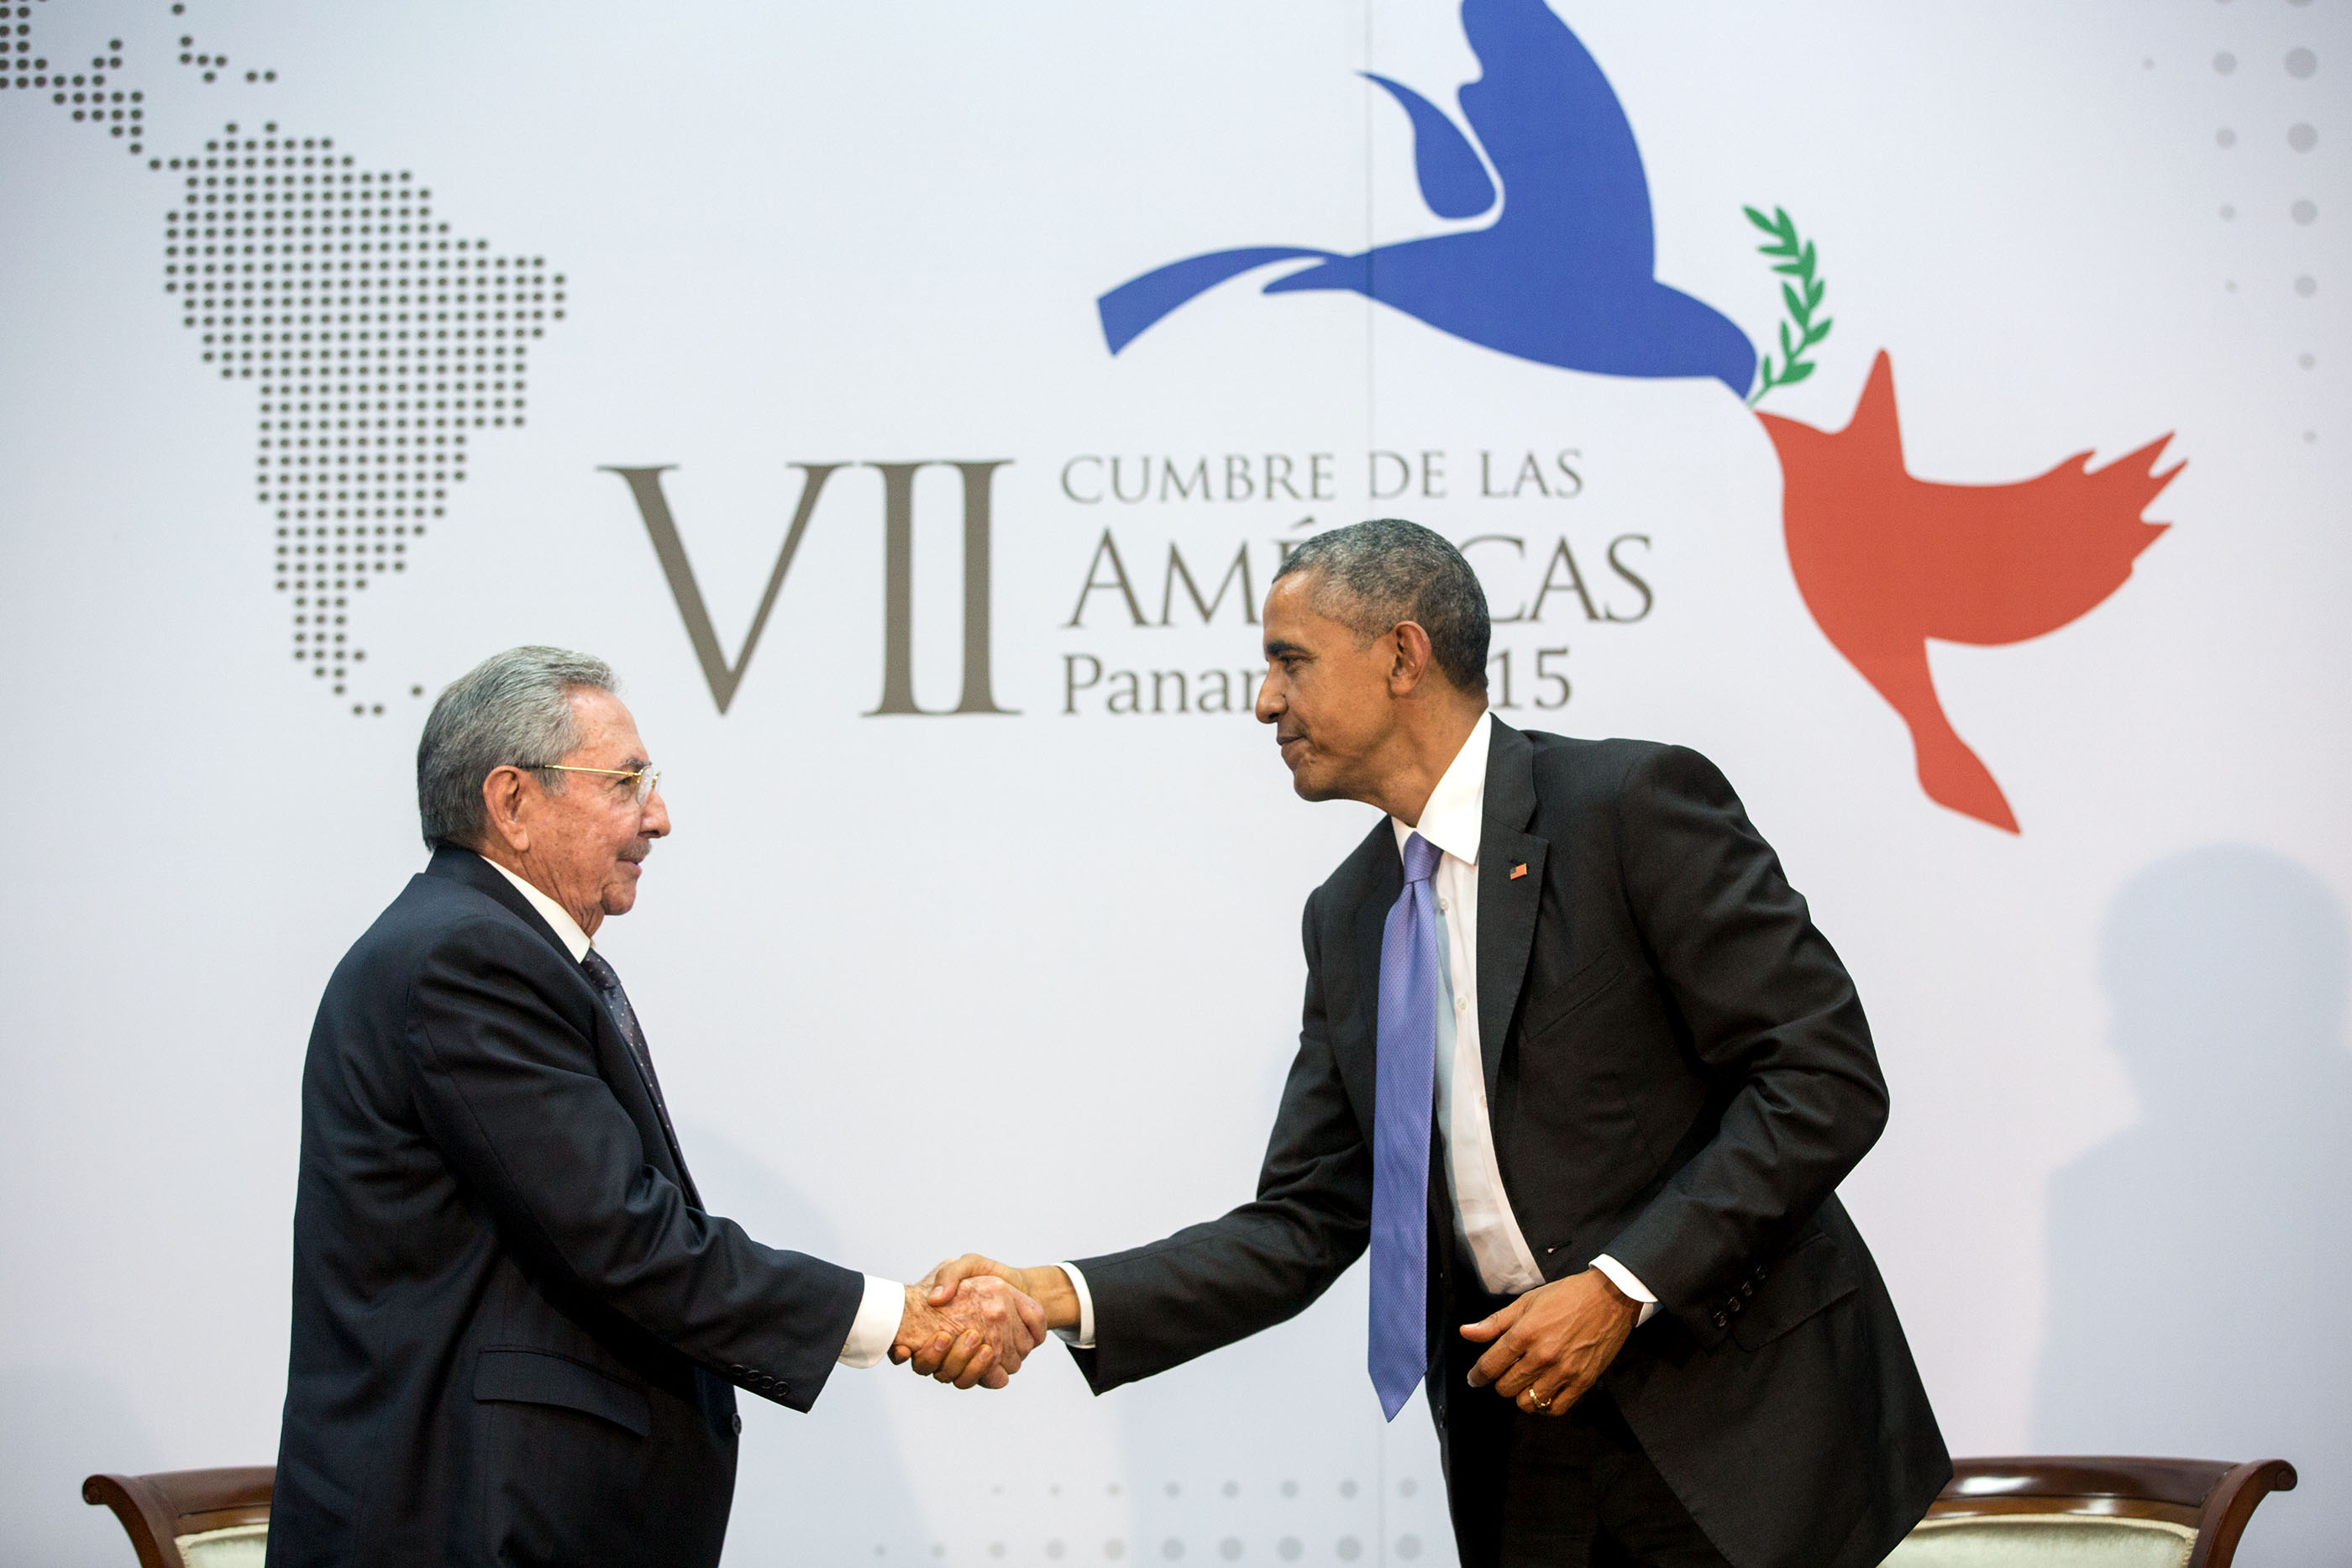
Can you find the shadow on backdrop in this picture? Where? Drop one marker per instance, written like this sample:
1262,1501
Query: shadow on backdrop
2200,1260
57,1425
830,1486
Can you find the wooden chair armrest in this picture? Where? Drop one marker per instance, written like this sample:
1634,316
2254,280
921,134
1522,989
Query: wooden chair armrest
2231,1503
157,1509
146,1517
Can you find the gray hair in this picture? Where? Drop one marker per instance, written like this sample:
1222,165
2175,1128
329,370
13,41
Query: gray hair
513,707
1371,576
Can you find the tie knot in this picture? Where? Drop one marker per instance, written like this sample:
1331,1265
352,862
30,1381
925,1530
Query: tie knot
605,977
1421,859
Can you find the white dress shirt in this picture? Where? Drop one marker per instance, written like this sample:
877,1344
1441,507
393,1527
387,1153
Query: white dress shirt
885,1302
1454,821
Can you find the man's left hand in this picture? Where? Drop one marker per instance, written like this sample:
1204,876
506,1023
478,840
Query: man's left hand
1551,1345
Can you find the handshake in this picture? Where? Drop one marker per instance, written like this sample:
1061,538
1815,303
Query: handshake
972,1320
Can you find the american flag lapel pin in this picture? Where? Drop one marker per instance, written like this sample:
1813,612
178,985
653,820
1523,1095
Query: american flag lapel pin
1518,871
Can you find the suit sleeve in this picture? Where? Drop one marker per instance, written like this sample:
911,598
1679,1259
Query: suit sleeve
1160,1305
509,1093
1773,1020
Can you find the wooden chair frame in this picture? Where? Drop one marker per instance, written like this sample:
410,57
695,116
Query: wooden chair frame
2213,1498
157,1509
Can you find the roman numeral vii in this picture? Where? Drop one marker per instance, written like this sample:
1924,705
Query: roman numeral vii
726,675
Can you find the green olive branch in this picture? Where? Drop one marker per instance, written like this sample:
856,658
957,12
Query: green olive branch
1802,295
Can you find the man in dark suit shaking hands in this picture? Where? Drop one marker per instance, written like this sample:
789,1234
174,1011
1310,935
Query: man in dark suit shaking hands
1581,1075
517,1332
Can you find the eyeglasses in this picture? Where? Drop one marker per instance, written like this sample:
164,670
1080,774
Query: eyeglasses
644,781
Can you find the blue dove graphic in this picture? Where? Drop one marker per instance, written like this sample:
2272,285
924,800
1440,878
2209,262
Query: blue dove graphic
1562,276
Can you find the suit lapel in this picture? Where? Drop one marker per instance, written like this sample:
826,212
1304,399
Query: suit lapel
464,866
1507,904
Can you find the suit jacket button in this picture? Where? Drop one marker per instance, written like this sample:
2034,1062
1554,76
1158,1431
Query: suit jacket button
1720,1320
1733,1304
1746,1289
739,1369
738,1422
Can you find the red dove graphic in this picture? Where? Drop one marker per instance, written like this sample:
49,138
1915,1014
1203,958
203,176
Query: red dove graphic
1886,561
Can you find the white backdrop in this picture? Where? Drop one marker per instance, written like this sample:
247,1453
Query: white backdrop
1028,982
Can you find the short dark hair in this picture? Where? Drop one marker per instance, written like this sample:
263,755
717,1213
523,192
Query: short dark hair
1370,576
512,707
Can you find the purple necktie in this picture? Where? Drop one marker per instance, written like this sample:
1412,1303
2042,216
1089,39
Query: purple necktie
1407,1081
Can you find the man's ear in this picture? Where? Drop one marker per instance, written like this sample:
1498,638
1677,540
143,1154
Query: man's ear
1409,661
503,792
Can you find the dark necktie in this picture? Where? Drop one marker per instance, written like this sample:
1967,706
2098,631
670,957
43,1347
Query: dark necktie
607,981
1405,1034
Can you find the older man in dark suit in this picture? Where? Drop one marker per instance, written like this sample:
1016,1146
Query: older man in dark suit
517,1332
1579,1072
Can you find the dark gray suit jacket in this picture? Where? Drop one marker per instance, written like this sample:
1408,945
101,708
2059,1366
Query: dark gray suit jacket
516,1333
1678,1075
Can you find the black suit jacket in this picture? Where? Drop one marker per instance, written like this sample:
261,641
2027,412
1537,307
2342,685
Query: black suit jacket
1678,1075
515,1329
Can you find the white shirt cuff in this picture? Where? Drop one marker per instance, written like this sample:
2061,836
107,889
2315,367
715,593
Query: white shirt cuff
1083,1337
876,1324
1622,1278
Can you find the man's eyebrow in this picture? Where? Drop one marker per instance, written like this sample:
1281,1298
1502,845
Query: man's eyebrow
1280,649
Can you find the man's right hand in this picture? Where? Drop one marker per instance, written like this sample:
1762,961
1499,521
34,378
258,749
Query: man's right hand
975,1334
1047,1285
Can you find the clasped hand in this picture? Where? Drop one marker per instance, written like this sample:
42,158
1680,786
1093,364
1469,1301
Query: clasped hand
973,1334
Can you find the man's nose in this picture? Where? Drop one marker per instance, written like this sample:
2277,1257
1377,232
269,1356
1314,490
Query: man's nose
1270,702
654,819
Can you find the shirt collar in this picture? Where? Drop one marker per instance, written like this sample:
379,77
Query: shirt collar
567,930
1456,811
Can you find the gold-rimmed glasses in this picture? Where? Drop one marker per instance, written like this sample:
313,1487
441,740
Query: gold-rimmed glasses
645,780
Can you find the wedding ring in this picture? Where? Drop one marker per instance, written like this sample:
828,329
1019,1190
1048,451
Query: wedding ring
1542,1403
